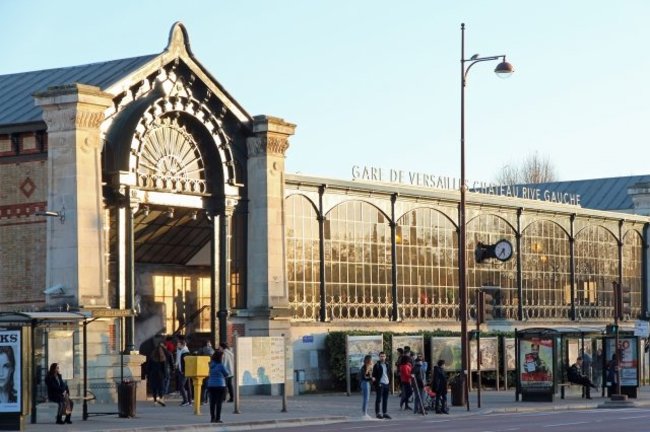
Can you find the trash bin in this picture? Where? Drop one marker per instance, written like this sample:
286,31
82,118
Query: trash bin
126,399
457,390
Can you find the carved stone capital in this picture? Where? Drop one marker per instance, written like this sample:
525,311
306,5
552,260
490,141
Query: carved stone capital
73,106
267,145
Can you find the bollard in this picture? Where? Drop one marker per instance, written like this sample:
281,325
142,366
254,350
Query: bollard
197,368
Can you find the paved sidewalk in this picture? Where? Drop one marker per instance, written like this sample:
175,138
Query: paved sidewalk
257,412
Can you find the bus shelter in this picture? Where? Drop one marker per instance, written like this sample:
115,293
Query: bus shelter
25,334
543,356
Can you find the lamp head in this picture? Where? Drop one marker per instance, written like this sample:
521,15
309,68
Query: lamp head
504,69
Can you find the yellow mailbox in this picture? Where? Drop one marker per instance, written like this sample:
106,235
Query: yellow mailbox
197,368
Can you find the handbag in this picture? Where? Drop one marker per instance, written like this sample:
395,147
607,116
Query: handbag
67,405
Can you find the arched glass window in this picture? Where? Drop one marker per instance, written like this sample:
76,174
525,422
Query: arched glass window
632,269
596,253
427,265
546,275
303,276
358,262
488,229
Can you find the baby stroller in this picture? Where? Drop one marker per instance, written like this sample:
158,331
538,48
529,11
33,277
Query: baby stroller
429,401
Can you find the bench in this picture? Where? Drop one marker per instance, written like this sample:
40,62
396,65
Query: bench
564,385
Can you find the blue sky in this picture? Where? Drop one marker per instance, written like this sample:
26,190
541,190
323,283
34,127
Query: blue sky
377,83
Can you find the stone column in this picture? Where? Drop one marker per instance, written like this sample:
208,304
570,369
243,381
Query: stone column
268,302
75,249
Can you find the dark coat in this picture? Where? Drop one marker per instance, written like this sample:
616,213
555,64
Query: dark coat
376,373
439,380
56,387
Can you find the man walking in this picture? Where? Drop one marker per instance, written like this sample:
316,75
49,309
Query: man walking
181,352
381,373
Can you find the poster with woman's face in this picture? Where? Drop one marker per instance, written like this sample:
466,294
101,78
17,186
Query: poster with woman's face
10,365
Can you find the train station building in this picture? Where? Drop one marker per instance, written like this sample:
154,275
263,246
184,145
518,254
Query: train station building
142,185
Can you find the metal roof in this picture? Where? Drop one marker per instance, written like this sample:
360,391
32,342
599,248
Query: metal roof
598,194
16,90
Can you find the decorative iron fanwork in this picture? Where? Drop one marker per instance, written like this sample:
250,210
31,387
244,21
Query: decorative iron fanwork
169,160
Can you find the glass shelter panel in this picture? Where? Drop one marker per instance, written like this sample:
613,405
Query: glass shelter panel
546,274
427,265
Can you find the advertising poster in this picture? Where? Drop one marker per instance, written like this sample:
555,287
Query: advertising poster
10,367
447,349
260,360
629,364
360,346
415,342
489,354
536,360
511,361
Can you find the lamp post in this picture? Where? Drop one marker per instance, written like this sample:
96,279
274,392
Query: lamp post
503,69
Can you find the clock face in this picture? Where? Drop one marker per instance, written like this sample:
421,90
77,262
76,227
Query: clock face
503,250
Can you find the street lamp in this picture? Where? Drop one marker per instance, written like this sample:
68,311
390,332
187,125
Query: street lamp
503,70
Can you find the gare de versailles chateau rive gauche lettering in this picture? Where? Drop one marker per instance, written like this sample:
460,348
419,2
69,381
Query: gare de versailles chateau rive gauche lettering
377,174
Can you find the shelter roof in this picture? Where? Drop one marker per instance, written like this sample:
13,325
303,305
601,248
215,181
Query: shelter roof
50,317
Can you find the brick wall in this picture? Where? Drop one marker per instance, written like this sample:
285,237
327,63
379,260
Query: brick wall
23,191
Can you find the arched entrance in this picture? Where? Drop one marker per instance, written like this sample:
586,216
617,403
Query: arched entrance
172,167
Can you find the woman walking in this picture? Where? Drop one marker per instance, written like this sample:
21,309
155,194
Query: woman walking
366,379
57,391
217,385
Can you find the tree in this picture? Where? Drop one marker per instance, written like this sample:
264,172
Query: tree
533,169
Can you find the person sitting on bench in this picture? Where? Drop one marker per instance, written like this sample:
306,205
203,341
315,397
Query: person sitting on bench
575,376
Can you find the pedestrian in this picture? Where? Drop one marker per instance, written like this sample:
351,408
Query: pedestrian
365,381
156,372
58,391
398,361
439,386
205,350
217,385
181,352
381,373
612,375
597,368
228,361
8,392
405,381
575,375
418,379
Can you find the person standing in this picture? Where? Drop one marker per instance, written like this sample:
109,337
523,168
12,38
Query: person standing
405,368
181,352
381,373
365,380
418,374
228,361
205,350
217,385
58,391
156,371
439,385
